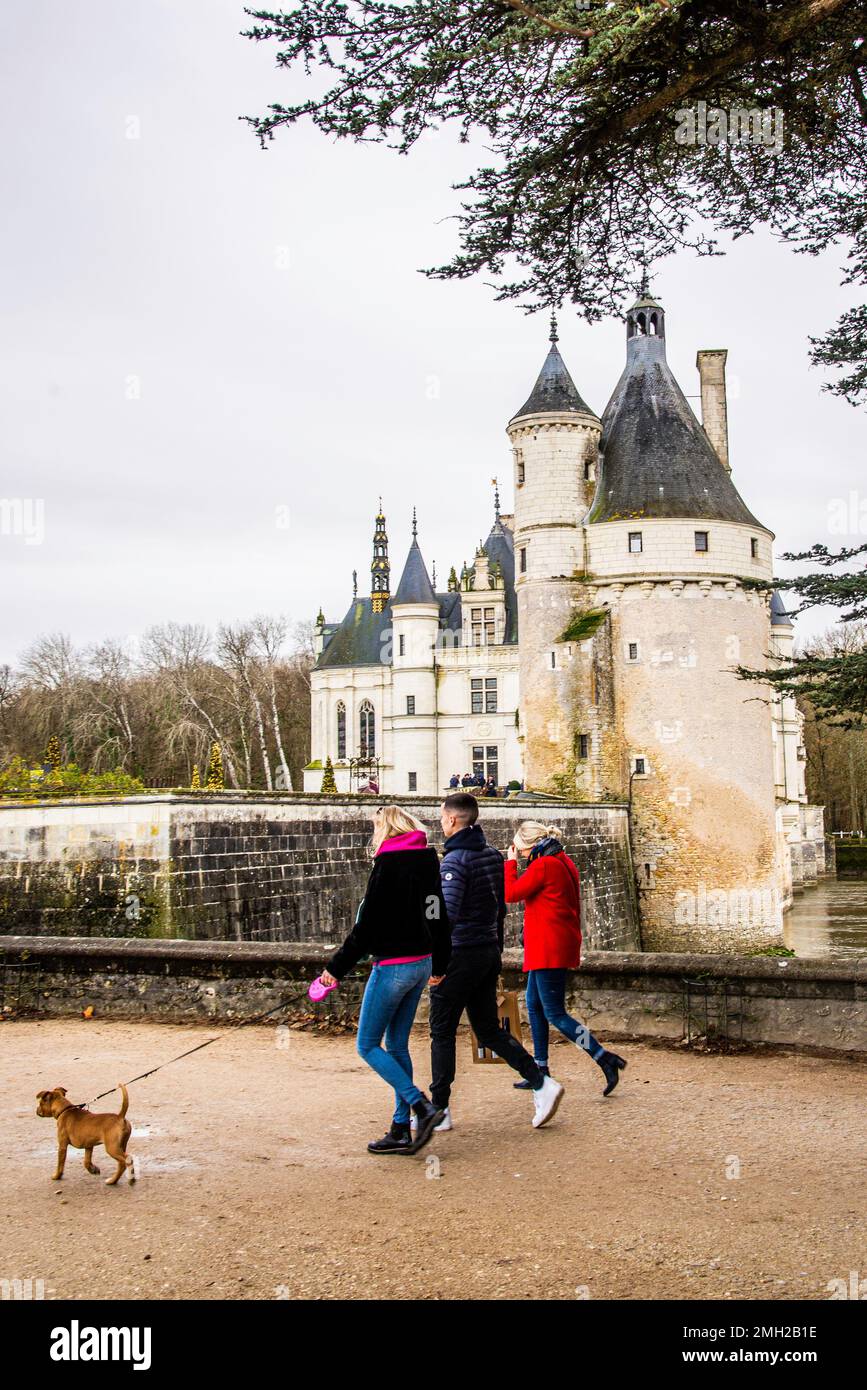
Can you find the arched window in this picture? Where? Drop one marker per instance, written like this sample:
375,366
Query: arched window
341,731
367,731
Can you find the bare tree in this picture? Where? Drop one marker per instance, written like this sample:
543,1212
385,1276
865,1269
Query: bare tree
179,653
236,647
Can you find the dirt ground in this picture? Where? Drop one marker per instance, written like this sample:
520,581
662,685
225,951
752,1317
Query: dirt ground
702,1177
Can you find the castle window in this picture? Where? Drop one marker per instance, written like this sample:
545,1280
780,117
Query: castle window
486,761
483,695
587,470
476,626
410,704
632,651
583,745
553,661
490,626
640,768
635,543
341,731
366,730
754,548
523,559
413,781
401,645
701,540
519,459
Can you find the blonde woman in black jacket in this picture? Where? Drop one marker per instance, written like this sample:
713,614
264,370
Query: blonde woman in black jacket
402,924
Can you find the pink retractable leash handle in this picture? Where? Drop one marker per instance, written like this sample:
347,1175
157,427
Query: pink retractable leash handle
318,990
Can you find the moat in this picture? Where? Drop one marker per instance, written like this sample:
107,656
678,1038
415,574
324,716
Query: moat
829,920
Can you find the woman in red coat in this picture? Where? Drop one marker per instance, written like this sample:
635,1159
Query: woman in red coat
550,889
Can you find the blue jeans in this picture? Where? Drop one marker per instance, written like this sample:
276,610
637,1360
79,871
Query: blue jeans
388,1007
546,1003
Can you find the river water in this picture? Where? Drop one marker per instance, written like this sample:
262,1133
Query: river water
829,920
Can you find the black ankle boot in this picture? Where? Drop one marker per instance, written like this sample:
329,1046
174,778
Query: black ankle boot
397,1141
612,1066
428,1117
526,1085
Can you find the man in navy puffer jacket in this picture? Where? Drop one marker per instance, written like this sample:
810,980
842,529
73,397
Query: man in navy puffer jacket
474,892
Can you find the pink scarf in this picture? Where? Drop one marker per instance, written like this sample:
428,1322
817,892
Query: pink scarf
413,839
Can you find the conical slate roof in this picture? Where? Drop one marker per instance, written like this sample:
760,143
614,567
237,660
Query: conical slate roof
554,390
415,585
656,459
779,616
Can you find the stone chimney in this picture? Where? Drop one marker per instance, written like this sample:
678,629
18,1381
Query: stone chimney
711,365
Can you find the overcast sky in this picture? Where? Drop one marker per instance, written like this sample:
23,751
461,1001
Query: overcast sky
215,359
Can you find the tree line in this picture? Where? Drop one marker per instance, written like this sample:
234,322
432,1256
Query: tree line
155,711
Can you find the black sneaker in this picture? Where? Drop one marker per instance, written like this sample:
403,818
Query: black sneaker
428,1117
397,1141
527,1085
612,1066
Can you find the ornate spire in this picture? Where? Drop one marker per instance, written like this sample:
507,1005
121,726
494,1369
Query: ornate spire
355,583
554,336
433,578
496,487
380,572
414,525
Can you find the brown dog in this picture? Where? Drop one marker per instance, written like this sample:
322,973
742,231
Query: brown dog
83,1130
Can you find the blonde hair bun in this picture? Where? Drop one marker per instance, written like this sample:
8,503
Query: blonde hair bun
530,832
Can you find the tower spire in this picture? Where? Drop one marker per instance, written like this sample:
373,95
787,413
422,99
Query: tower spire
414,525
380,571
496,487
554,336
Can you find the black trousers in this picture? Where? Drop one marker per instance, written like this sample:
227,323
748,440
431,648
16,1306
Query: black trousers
471,983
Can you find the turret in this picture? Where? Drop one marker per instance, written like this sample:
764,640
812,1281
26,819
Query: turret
555,438
415,618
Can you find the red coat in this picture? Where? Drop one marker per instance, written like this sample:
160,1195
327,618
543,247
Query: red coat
550,887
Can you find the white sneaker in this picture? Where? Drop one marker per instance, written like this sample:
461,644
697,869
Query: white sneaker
545,1101
444,1125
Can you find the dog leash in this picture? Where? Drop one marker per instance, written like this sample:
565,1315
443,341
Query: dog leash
257,1018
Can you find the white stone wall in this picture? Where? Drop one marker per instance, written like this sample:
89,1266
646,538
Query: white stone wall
668,549
558,454
704,815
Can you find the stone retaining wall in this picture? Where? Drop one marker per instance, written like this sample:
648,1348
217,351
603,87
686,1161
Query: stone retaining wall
807,1005
251,867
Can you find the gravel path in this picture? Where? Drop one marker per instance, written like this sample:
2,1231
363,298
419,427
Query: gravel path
255,1181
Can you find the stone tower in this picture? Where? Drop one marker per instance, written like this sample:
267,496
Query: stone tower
670,543
415,621
554,439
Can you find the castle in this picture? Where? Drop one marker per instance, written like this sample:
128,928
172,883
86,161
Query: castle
589,652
